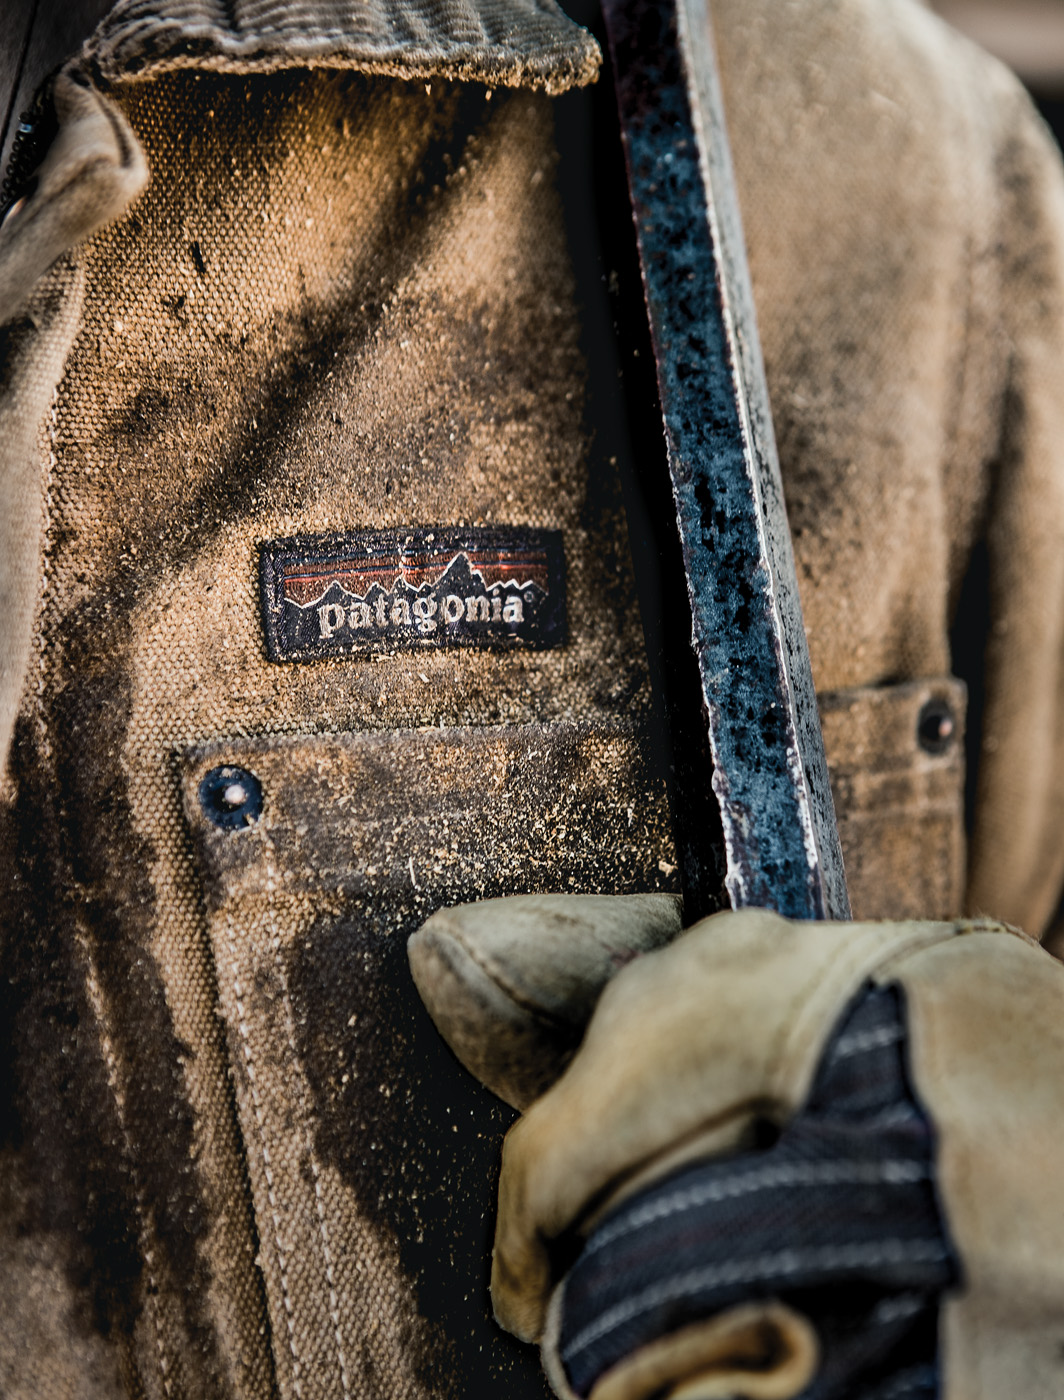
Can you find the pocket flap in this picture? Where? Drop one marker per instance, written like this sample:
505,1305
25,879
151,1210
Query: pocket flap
896,760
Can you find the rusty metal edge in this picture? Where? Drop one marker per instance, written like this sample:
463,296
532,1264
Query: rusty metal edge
769,769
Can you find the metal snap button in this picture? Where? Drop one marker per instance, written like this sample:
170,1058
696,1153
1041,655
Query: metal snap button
936,727
231,798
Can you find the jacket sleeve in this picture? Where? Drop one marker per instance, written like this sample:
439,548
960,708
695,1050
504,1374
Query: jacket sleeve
1016,852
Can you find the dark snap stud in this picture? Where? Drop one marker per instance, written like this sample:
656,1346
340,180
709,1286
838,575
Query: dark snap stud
231,798
936,727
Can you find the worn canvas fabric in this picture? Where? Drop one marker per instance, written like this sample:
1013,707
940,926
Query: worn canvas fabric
345,303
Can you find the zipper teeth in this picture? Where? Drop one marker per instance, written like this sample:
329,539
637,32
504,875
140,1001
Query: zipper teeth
33,135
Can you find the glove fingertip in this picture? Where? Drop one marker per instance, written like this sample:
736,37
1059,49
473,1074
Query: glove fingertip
519,1295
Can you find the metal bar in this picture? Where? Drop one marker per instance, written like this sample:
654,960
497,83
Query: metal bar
769,771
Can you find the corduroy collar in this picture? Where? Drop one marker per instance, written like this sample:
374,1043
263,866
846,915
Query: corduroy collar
516,43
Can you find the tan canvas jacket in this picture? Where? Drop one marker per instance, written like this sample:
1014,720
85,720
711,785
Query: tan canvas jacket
236,1161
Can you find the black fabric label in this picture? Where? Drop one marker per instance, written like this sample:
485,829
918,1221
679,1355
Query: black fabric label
368,591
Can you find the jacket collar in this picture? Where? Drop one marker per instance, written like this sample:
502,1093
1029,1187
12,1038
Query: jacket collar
516,43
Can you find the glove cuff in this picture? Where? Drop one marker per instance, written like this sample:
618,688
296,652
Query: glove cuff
764,1351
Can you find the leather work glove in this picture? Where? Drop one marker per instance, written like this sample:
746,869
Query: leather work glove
786,1159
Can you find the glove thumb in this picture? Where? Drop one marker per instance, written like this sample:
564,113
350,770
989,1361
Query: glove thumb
511,983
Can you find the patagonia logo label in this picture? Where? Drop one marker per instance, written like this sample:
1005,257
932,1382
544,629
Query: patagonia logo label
368,591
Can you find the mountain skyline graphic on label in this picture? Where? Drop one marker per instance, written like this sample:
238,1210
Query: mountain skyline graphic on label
494,568
388,590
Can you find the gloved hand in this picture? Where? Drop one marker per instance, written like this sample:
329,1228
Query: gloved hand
748,1023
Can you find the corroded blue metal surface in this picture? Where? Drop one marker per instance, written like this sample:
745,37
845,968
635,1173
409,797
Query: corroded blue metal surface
769,773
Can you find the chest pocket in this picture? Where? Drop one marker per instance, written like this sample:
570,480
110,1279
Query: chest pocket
369,1150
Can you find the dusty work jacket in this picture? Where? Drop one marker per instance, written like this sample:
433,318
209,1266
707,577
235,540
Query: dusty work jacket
321,615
